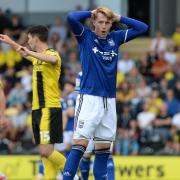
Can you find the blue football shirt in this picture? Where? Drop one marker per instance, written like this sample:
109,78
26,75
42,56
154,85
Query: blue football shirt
98,55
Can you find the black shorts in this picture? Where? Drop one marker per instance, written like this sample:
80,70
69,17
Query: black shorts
47,125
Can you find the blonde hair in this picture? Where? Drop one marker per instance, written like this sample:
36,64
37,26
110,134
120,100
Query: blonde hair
105,11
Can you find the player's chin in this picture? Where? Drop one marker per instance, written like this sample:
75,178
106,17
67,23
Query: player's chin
104,34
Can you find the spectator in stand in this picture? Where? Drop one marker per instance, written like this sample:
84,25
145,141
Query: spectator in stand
143,90
170,76
5,47
177,90
176,67
125,64
5,23
125,93
134,77
73,63
145,118
17,27
17,95
176,121
71,44
12,58
124,117
6,145
159,43
173,142
152,56
10,79
159,67
64,54
19,120
58,28
162,122
55,41
126,133
176,37
163,86
172,103
170,55
26,81
154,101
144,66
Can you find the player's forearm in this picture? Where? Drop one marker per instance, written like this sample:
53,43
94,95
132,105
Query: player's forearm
135,24
79,15
14,45
2,103
44,57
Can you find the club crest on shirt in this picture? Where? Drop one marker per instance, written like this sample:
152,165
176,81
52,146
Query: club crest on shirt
80,124
111,42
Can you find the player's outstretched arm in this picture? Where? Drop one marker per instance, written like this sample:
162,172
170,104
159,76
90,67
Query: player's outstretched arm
44,57
6,39
74,18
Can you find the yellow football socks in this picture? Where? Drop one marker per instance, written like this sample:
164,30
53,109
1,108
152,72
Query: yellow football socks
50,171
58,160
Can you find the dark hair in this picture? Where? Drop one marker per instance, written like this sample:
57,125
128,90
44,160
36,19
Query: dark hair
40,31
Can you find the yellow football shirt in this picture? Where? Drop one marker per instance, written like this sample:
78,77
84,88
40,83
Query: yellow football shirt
46,91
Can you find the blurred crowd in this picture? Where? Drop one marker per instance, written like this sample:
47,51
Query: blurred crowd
148,91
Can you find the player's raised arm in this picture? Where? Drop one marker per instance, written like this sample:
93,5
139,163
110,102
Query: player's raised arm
74,18
44,57
6,39
136,28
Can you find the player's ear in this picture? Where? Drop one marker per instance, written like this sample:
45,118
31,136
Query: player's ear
36,39
93,22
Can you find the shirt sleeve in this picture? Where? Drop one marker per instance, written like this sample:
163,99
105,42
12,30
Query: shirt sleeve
52,52
136,28
76,26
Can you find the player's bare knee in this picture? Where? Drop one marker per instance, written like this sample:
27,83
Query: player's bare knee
83,142
102,144
87,155
45,150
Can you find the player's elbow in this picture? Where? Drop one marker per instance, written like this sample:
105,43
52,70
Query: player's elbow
70,17
144,28
54,60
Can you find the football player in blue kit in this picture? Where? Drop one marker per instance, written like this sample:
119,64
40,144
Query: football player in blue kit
95,114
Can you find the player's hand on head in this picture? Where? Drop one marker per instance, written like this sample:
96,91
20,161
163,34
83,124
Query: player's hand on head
116,17
93,11
5,38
